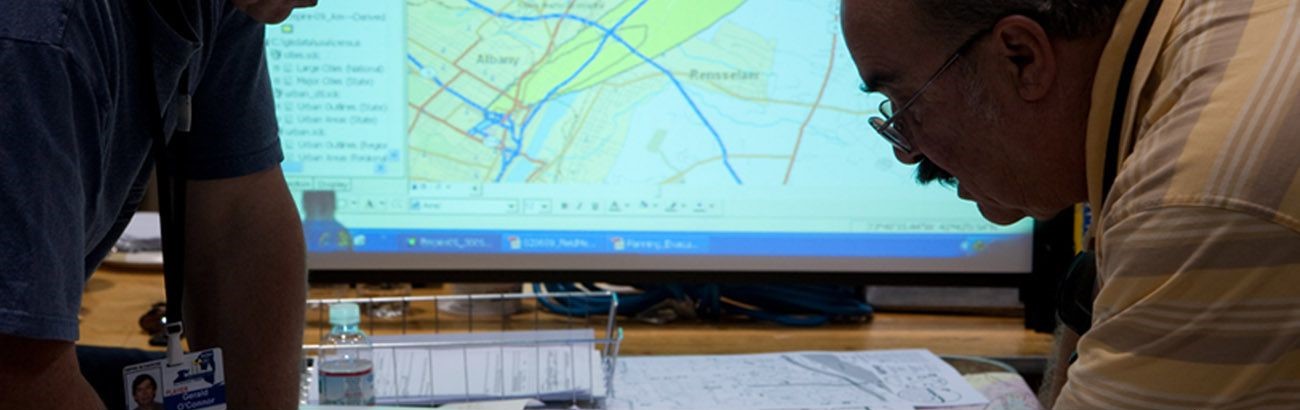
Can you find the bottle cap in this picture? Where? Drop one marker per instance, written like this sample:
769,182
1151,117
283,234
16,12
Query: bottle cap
345,314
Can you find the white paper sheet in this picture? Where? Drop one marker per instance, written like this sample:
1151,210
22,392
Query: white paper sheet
519,404
886,379
438,375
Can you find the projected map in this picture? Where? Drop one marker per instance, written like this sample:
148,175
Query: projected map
668,127
610,91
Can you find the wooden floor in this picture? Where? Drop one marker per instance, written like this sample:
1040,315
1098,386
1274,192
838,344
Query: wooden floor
114,300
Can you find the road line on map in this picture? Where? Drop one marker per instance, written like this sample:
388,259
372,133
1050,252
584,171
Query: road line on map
462,132
508,158
568,142
450,125
716,158
447,157
422,108
432,96
804,127
550,47
611,34
760,100
519,87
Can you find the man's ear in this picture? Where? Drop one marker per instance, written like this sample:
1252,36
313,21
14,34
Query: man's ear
1025,52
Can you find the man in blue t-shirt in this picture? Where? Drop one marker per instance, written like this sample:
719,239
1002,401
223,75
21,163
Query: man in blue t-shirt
85,86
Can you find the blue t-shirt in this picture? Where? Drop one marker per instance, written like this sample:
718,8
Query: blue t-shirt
85,86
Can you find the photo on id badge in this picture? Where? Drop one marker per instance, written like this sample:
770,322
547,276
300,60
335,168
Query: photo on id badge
143,387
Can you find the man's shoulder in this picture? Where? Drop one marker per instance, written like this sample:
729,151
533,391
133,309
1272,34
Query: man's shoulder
38,21
1257,175
1154,202
1218,124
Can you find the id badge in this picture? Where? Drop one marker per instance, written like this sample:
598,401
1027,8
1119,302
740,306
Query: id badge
198,382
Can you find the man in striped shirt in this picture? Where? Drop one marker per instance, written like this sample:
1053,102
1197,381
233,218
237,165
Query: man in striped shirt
1177,120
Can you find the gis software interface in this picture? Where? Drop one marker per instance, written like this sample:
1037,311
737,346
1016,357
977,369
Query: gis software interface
550,134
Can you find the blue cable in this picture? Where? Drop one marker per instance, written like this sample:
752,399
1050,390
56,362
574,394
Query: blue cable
790,305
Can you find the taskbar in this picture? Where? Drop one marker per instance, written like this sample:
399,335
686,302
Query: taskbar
855,245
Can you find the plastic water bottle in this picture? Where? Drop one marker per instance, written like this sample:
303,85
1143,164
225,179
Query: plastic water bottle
346,371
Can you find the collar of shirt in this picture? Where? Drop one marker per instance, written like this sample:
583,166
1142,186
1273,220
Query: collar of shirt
1106,85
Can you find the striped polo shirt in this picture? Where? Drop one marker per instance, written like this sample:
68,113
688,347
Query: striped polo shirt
1198,240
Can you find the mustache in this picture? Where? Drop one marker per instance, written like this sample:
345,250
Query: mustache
928,172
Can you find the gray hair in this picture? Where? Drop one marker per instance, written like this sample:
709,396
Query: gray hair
1069,19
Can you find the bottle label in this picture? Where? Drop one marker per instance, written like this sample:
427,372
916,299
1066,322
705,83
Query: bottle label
347,386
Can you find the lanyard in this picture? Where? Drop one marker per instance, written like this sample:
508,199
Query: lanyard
1111,165
1077,289
171,203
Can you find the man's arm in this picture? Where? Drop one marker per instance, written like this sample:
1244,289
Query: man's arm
1199,309
42,374
245,284
50,106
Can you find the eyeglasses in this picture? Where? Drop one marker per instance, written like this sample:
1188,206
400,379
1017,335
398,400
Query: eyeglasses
888,127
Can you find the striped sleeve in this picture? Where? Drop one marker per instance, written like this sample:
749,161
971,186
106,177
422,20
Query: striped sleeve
1200,308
